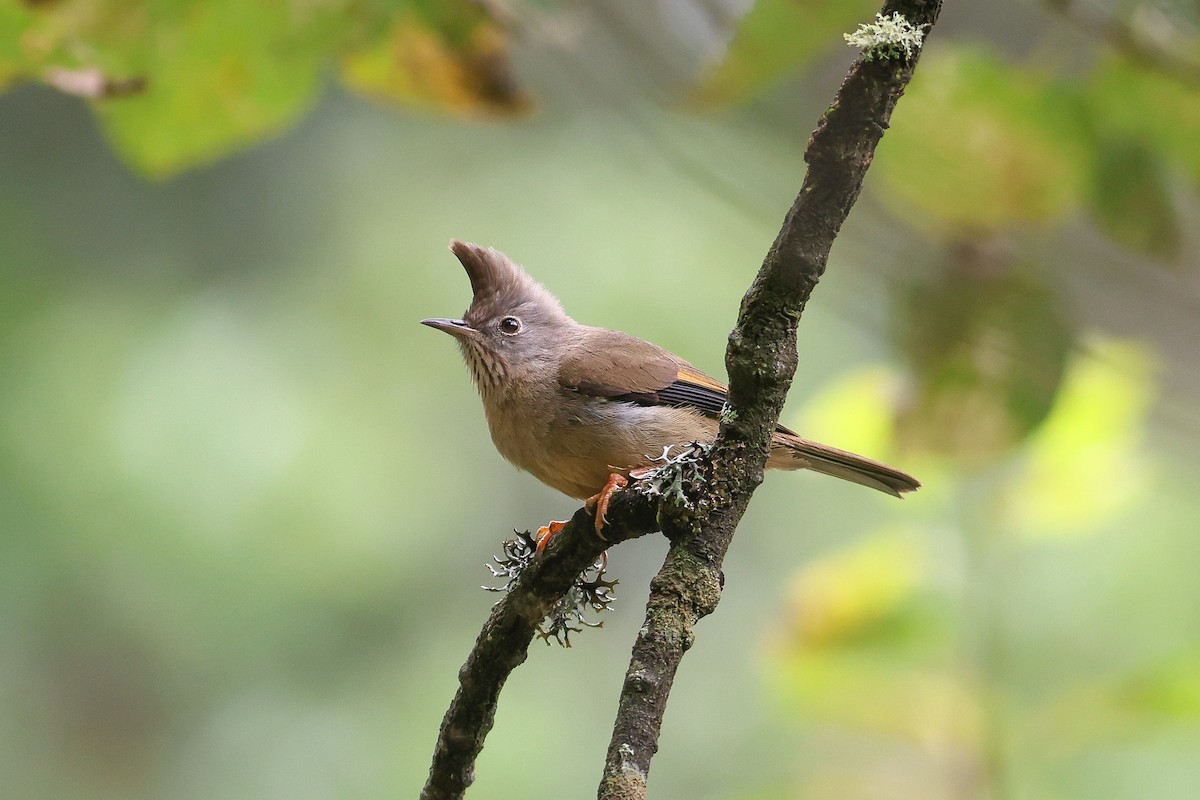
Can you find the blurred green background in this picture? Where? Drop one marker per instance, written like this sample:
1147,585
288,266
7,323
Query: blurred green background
246,500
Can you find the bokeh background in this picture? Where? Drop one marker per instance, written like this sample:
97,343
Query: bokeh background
246,500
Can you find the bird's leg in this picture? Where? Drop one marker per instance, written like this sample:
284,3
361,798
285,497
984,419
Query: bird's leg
600,500
547,532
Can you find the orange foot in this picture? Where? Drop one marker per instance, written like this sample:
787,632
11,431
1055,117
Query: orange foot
600,501
547,532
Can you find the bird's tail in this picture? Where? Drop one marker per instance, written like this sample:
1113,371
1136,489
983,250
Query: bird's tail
789,451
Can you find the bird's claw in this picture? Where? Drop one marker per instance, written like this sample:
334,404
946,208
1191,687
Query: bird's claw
547,532
600,501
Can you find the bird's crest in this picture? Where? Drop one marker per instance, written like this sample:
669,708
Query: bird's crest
497,282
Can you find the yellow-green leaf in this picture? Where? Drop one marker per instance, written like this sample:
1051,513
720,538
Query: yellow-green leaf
220,75
1170,688
864,643
15,20
179,83
847,594
462,69
978,145
1084,465
854,411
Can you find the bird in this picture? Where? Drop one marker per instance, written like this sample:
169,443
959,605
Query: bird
583,409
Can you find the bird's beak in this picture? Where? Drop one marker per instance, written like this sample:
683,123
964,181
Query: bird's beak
454,327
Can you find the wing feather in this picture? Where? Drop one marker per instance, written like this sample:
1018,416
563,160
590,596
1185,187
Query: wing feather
617,366
604,363
623,368
684,392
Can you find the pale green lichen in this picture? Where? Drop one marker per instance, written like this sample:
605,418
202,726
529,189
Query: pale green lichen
590,592
666,480
887,37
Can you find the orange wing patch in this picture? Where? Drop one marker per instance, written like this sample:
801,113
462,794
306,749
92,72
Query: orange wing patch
691,375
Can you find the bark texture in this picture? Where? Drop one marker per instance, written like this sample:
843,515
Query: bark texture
761,361
503,644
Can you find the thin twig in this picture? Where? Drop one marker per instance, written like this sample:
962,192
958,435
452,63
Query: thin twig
761,360
1154,43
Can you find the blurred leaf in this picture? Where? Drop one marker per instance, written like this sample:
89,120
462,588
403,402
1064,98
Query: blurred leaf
460,66
987,348
1170,688
1130,201
854,593
774,38
857,410
223,74
1133,103
15,21
1087,714
865,643
1084,464
220,75
852,410
1083,715
978,145
875,695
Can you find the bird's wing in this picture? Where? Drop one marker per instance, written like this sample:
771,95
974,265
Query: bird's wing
618,366
692,387
621,367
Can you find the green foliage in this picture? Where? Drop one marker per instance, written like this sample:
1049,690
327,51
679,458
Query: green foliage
15,21
980,146
1083,464
221,75
450,62
1131,198
1133,102
245,503
916,643
986,346
777,37
1170,688
1147,125
865,641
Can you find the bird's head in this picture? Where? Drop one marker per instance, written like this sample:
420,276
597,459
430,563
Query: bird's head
513,328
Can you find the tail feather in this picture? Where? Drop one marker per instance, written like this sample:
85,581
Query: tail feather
789,451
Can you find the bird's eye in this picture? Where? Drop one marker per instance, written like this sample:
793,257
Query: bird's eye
510,325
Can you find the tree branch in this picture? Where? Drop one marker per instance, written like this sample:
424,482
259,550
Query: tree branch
503,644
761,360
